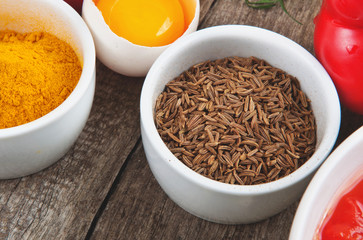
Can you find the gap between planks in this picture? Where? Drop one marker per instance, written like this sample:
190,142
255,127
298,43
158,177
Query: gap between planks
111,191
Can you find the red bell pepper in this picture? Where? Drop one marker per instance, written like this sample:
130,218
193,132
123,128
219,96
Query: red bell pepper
338,45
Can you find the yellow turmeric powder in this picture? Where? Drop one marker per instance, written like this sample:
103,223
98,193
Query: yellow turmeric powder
38,71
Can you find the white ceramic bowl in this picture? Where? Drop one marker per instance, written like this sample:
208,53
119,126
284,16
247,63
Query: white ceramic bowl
212,200
334,176
28,148
119,54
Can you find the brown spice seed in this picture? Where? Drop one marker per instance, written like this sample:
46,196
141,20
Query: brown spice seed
237,120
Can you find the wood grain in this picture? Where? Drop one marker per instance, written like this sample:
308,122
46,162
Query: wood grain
103,188
139,209
139,199
61,201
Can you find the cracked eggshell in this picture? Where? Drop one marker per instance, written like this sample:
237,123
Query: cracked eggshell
119,54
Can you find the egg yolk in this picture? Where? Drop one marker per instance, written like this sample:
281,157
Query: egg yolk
144,22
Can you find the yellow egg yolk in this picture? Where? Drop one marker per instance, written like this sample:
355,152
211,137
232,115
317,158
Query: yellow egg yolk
144,22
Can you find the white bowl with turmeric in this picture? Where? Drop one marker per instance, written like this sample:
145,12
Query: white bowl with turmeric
47,78
235,120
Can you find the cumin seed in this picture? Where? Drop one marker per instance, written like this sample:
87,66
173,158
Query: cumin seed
237,120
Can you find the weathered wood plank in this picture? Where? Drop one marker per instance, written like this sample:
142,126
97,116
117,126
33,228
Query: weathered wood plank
237,12
350,122
91,191
61,201
139,209
205,5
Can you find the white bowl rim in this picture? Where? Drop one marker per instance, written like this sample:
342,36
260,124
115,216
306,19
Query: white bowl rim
319,180
146,116
88,69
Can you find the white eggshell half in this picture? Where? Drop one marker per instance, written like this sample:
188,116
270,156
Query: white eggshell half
119,54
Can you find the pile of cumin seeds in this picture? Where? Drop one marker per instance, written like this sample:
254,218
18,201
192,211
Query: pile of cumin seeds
237,120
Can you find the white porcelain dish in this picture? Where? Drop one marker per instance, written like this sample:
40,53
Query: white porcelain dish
33,146
212,200
119,54
334,176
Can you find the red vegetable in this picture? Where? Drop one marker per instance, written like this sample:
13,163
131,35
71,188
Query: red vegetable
338,43
76,4
346,220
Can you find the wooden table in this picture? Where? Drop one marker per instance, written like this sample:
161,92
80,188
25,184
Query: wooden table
103,188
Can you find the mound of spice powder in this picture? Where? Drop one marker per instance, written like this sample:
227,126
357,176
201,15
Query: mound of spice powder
38,72
237,120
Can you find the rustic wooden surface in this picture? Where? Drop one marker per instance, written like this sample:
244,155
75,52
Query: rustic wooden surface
103,187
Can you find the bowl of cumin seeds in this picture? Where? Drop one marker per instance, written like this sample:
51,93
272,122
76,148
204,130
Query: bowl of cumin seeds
235,120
